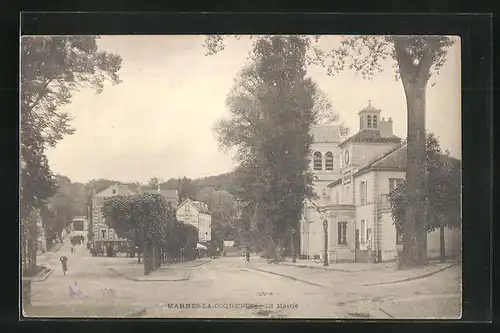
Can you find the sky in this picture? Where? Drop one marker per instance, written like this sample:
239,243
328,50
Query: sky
159,121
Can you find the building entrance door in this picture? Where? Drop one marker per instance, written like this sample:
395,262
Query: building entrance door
356,239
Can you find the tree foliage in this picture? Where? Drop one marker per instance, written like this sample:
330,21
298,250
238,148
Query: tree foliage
272,111
149,218
443,195
52,67
224,211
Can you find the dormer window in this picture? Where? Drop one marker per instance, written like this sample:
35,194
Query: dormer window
114,191
368,121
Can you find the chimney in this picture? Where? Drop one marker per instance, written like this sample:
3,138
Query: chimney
158,189
386,128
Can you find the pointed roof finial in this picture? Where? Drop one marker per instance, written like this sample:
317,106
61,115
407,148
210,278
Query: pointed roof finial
369,102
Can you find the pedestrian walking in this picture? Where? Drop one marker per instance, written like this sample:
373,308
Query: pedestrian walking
248,256
72,249
64,262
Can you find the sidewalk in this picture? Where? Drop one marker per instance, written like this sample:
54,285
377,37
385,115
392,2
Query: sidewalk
341,267
170,272
364,274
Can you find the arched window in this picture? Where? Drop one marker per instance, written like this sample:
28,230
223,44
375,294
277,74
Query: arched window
374,121
318,161
368,121
329,161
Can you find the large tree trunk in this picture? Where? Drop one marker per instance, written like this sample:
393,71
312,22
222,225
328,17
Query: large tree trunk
442,248
414,247
147,257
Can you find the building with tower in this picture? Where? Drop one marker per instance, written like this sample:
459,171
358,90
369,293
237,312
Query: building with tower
353,200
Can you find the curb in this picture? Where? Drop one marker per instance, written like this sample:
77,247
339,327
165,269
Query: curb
412,278
288,277
325,269
135,313
188,267
45,277
145,280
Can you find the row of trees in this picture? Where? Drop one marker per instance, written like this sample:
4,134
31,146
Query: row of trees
274,83
149,221
52,68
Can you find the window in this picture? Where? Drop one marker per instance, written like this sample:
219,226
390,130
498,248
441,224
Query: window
114,191
363,231
329,161
318,161
342,233
103,233
393,183
374,121
368,121
362,193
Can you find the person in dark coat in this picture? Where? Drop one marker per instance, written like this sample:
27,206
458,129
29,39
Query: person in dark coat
64,262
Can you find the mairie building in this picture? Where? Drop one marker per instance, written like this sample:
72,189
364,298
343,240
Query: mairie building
352,178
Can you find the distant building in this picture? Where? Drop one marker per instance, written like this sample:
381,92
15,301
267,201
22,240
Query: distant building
79,226
197,214
102,234
171,196
100,231
367,167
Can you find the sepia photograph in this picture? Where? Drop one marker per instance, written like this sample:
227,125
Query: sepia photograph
240,176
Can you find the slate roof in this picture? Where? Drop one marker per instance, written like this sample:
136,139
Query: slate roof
394,159
370,136
201,206
122,190
325,133
169,195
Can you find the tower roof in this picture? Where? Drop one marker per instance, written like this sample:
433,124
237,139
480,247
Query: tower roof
325,133
370,108
369,136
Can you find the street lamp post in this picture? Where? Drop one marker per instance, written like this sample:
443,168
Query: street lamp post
294,258
325,227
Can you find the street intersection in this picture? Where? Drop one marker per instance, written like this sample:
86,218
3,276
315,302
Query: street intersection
230,287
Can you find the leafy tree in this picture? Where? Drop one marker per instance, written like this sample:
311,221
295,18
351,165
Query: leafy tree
272,111
187,189
415,59
51,69
62,207
138,218
222,206
150,222
443,204
153,183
